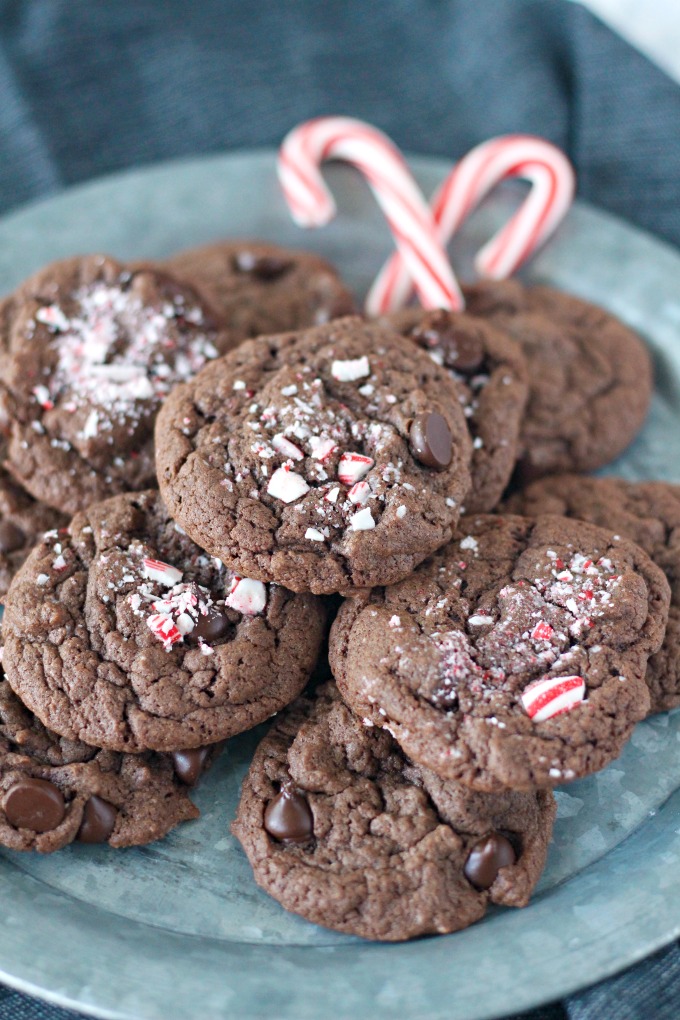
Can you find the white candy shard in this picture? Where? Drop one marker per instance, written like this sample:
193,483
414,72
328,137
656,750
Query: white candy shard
247,596
314,535
362,521
287,486
350,370
321,448
163,573
288,449
553,695
480,620
332,494
353,466
359,493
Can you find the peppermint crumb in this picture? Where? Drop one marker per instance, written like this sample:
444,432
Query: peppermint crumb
314,535
401,511
42,579
362,521
351,369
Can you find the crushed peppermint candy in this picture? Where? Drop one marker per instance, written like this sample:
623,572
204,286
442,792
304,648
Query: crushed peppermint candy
314,535
552,696
288,449
351,369
286,485
116,351
247,596
353,466
162,573
362,521
359,493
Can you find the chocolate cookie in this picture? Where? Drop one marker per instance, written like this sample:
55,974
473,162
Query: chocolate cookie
55,791
515,657
647,513
590,376
122,633
262,288
23,520
341,828
491,373
88,350
326,460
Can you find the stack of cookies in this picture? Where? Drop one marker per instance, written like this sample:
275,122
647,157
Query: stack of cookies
240,460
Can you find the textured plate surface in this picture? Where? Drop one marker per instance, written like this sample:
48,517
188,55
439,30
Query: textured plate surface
179,929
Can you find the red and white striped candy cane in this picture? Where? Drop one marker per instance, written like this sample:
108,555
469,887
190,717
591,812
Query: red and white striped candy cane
474,176
409,217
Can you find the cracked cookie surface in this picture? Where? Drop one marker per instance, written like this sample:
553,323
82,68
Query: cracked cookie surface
294,458
515,657
89,348
590,376
491,374
647,513
263,288
121,633
368,843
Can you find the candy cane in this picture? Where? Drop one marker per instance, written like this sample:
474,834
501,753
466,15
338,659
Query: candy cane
409,217
552,189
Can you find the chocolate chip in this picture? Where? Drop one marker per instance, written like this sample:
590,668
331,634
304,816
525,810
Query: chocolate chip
99,819
211,626
487,858
34,804
190,764
263,267
288,817
431,442
11,537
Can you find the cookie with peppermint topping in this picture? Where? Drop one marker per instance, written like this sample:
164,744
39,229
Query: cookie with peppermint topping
264,288
89,348
121,633
647,513
590,375
327,460
492,377
515,657
55,791
340,827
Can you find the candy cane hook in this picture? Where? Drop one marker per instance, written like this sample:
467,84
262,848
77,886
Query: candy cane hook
371,152
552,189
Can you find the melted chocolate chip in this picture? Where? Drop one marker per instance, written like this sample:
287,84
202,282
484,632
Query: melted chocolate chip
288,817
431,442
487,858
11,537
189,764
99,819
263,267
34,804
211,626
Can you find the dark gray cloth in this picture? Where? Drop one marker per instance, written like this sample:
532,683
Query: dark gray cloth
88,86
